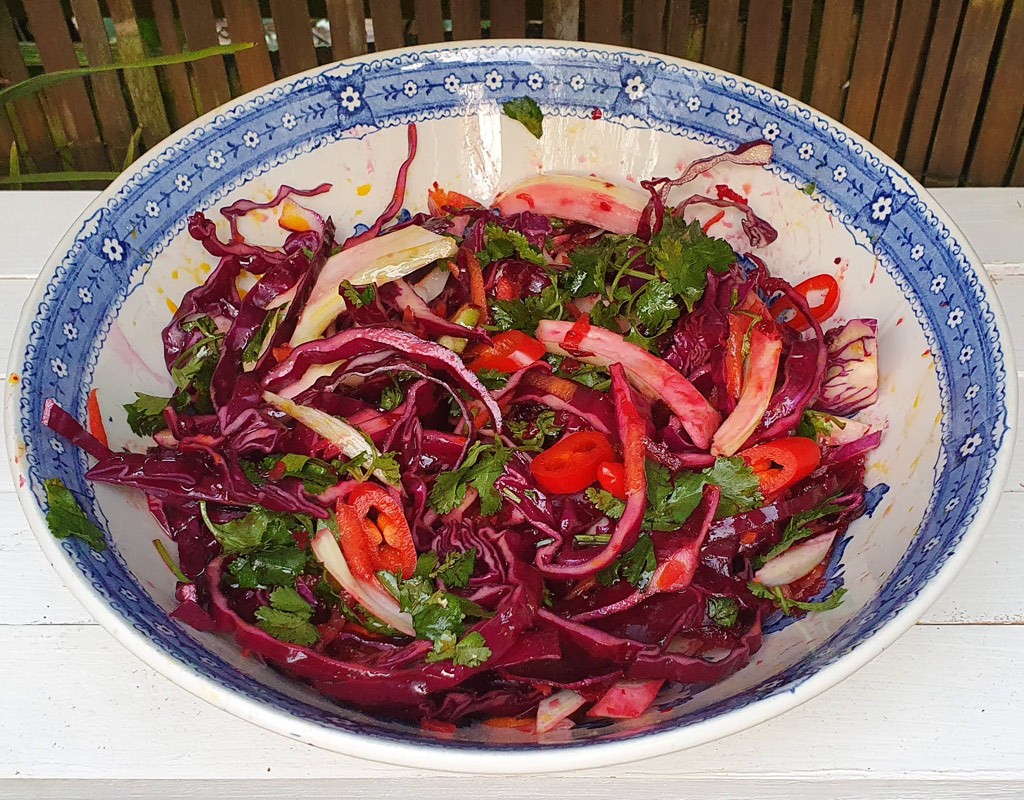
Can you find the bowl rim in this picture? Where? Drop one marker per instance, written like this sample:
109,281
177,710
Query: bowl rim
436,755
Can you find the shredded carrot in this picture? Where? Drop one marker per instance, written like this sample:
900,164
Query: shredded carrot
437,726
96,419
282,352
508,722
713,220
477,293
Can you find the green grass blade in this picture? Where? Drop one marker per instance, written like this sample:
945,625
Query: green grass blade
133,145
14,181
15,167
34,84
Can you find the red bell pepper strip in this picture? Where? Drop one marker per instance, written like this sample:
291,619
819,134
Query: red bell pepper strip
510,352
782,463
96,419
571,464
739,325
612,477
784,310
627,529
652,376
477,293
758,385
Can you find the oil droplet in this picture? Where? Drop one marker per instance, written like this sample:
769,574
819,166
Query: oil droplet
204,267
172,306
364,190
174,275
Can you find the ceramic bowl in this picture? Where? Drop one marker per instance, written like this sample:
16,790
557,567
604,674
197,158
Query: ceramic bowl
94,321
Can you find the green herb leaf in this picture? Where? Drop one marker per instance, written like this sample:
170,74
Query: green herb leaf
492,379
787,606
66,518
357,298
287,599
146,414
193,370
638,563
500,243
483,465
670,502
589,375
391,398
471,651
523,315
270,566
656,308
526,111
456,569
797,529
741,490
607,503
818,425
532,434
287,617
259,528
723,611
683,253
261,339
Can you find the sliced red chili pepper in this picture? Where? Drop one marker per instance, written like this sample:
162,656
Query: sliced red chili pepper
96,427
782,463
725,193
784,311
739,324
477,293
717,218
571,464
611,475
441,200
374,534
577,333
511,351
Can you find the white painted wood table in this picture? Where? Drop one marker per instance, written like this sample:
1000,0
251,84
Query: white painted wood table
939,715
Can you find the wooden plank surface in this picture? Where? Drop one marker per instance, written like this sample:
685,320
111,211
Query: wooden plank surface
508,19
963,92
677,27
928,98
602,21
869,64
429,24
179,87
210,75
388,28
245,24
562,19
795,62
1004,105
114,121
465,19
348,30
835,48
761,52
295,48
722,35
895,106
70,98
649,25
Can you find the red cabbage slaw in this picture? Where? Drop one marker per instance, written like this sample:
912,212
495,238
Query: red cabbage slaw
519,463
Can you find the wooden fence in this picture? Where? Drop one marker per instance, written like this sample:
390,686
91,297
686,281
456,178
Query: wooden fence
934,83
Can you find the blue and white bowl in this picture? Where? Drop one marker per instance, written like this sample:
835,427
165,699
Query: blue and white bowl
946,391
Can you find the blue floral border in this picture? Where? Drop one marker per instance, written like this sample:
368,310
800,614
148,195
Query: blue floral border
862,191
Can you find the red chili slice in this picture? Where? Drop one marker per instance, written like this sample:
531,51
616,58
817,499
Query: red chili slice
784,311
782,463
510,352
374,534
611,475
571,465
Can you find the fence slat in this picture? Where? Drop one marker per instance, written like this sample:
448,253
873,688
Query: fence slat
901,78
763,37
562,19
1017,178
794,71
200,29
508,19
869,63
429,25
963,93
348,28
678,29
466,19
926,102
295,49
388,30
70,98
649,24
835,48
722,37
602,21
115,124
245,24
993,151
183,107
147,102
6,141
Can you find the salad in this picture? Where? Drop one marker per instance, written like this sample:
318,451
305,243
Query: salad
521,462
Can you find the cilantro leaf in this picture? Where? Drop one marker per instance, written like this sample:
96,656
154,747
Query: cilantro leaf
193,370
500,243
482,467
656,308
457,568
589,375
492,379
636,565
684,254
540,428
357,298
723,611
317,476
741,490
525,111
797,529
261,339
391,398
287,618
426,564
817,425
786,605
607,503
270,566
471,651
259,528
65,517
146,414
670,502
523,315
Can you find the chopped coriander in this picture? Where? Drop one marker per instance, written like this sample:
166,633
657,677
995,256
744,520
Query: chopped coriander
797,529
65,516
260,341
525,314
391,398
636,565
257,529
723,611
482,467
539,429
356,297
146,414
741,490
287,618
492,379
607,503
270,566
193,370
786,605
684,253
500,243
457,568
526,111
818,425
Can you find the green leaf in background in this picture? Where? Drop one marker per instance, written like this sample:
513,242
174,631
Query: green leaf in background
526,111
